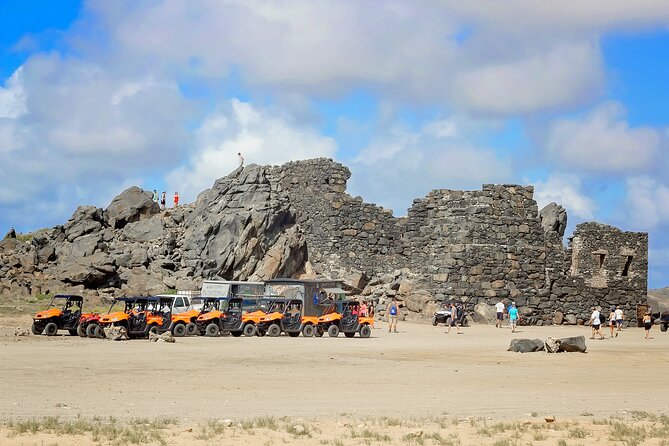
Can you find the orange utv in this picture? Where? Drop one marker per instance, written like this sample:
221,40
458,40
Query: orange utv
186,323
344,316
236,316
140,315
213,309
285,316
63,313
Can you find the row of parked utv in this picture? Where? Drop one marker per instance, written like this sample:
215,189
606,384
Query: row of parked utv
216,316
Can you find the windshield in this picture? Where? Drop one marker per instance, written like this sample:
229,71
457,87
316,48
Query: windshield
210,305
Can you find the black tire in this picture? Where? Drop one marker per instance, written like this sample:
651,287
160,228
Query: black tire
365,331
51,329
236,334
225,333
249,330
274,330
319,332
81,330
434,321
73,332
179,330
348,334
36,330
95,331
293,334
260,332
154,329
308,331
333,331
663,327
191,329
212,330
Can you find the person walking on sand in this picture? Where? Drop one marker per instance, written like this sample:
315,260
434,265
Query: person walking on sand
596,323
393,313
513,317
612,322
241,159
620,317
176,199
454,319
499,306
647,323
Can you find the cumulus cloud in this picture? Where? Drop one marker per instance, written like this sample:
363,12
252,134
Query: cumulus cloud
400,165
647,202
565,189
603,141
263,136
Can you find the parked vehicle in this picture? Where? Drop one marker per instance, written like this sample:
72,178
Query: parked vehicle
285,317
344,316
140,315
663,321
63,313
443,314
89,326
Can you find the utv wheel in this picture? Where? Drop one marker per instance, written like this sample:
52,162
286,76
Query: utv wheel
293,334
333,331
434,321
249,330
179,330
212,330
95,331
349,334
35,329
663,327
260,332
319,332
51,329
73,332
225,332
308,331
154,329
274,330
191,329
365,331
81,330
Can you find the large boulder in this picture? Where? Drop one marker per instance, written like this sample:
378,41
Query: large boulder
85,220
133,204
91,271
573,344
571,319
526,345
558,318
10,234
553,218
144,230
484,313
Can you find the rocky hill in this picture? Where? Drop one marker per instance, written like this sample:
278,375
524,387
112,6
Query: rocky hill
262,222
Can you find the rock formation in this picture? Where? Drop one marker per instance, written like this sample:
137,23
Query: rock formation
263,222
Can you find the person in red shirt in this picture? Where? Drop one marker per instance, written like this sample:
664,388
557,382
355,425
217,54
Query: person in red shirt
176,199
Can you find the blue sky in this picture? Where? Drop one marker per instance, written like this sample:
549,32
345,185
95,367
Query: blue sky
96,96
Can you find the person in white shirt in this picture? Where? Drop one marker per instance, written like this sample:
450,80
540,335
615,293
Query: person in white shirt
619,317
241,159
596,323
500,314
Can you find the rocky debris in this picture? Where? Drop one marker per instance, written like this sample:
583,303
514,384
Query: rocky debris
553,217
115,333
552,345
133,204
484,313
165,337
573,344
298,429
526,345
10,234
147,230
19,331
85,220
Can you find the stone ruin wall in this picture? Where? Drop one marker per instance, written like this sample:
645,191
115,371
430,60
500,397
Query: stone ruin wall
474,246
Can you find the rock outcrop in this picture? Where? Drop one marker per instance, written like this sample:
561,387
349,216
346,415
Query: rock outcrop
262,222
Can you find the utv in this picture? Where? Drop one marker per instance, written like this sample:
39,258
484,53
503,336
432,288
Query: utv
140,315
185,323
89,326
240,316
285,316
443,314
63,313
345,316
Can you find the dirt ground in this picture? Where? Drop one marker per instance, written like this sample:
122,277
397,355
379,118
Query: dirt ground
420,373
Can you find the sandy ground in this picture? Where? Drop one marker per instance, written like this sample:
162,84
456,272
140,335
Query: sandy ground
419,372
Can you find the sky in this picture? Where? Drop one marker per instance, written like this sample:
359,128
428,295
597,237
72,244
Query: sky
96,96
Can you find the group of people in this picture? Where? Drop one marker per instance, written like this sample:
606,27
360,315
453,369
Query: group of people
512,311
616,319
162,200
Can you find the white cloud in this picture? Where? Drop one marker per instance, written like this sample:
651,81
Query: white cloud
603,141
12,98
647,202
263,136
565,190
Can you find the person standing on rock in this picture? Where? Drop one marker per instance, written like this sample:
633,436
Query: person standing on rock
647,323
454,319
155,196
499,306
612,322
513,317
393,312
620,316
241,159
176,199
596,323
163,200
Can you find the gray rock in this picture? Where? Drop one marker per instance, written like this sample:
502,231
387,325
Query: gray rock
573,344
85,220
552,345
165,337
526,345
558,317
570,319
484,313
146,230
115,333
91,271
133,204
553,217
10,234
